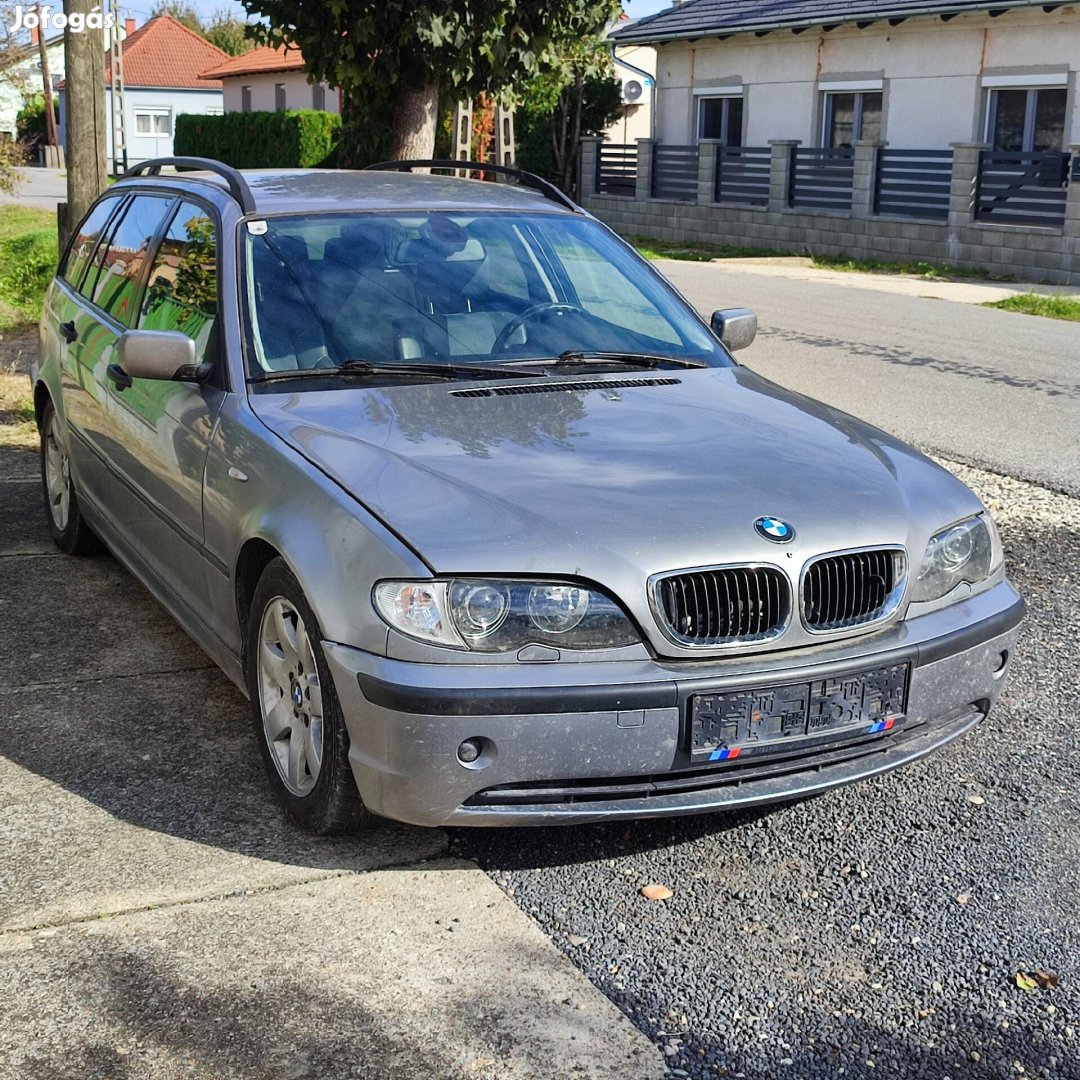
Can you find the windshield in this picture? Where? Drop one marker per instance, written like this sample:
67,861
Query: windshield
450,288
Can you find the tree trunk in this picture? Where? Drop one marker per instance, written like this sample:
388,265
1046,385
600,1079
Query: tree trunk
85,135
416,113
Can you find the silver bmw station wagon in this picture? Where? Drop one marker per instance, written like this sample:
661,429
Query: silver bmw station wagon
484,519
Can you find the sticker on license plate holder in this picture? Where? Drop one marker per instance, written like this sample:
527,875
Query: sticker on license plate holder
777,719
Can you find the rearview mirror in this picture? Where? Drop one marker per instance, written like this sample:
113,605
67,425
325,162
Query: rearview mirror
158,354
735,327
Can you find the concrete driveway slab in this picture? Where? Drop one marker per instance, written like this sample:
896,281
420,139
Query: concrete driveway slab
22,524
389,975
131,792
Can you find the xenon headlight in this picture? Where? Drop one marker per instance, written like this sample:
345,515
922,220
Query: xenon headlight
962,552
492,615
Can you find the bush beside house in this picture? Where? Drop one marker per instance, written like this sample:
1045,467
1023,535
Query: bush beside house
298,138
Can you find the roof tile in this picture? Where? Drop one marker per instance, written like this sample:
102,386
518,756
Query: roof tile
164,52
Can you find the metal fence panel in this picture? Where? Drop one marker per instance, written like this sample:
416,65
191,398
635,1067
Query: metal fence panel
616,169
674,172
1022,188
742,175
821,179
913,183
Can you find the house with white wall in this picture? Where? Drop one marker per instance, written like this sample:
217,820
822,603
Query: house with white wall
271,79
20,77
917,74
162,60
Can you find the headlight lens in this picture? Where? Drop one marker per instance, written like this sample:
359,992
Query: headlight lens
962,552
498,616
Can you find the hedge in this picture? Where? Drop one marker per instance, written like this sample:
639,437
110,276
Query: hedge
302,138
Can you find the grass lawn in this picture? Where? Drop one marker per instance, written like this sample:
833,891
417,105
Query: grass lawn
1052,307
27,263
695,252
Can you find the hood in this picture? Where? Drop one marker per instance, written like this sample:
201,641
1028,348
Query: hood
625,476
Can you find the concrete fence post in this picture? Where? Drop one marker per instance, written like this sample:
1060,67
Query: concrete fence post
864,178
643,190
780,173
708,149
965,174
590,153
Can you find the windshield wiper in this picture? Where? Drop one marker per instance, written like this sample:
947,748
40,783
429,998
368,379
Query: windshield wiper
576,357
362,369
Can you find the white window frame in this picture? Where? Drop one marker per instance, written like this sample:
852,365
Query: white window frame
713,93
1032,84
153,111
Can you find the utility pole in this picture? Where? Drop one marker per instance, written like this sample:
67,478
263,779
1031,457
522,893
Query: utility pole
85,81
116,93
46,85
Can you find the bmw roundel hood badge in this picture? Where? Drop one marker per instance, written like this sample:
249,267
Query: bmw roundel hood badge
779,532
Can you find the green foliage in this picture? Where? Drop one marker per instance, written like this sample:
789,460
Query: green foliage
229,34
299,138
30,120
12,155
1050,307
28,256
182,12
463,47
544,139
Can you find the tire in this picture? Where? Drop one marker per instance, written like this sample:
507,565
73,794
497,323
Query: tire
297,718
68,527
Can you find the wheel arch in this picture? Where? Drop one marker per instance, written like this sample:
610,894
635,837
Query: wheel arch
253,558
42,398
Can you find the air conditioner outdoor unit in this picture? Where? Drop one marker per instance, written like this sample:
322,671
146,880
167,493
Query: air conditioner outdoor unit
632,91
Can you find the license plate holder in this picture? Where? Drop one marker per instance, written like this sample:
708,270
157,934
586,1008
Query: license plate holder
753,722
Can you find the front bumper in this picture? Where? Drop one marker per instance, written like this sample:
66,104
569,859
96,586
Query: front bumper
575,742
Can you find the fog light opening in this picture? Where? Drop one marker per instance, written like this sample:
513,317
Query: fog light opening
476,753
1001,662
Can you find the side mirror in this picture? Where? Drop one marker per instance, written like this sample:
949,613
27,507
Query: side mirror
155,354
735,327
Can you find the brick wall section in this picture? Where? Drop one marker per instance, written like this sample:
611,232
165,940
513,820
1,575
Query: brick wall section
1041,255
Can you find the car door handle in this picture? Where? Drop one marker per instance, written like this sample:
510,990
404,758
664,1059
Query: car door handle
118,377
69,331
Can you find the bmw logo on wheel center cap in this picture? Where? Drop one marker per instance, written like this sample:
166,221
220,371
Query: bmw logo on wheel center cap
779,532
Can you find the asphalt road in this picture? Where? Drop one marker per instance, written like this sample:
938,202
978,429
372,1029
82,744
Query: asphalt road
992,388
40,188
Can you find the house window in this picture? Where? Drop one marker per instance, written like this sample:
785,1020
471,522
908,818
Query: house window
721,118
245,99
1027,119
279,96
851,116
318,96
153,122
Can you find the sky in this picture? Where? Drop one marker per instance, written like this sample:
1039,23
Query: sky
140,9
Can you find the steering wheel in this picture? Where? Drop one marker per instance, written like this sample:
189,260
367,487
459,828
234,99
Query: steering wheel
537,310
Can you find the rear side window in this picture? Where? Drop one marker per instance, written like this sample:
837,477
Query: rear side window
86,239
182,290
121,262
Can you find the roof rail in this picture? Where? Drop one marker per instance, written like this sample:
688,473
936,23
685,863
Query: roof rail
527,179
237,184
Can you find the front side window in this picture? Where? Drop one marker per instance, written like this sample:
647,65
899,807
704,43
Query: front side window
86,240
851,117
1027,120
120,264
721,118
445,287
153,122
182,288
